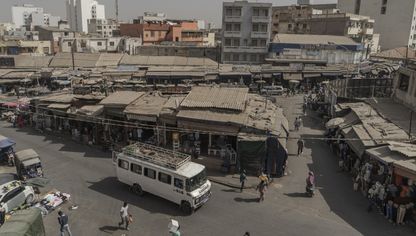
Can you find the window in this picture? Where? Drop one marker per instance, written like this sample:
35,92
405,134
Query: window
305,26
165,178
111,43
236,57
123,164
66,34
228,11
136,168
150,173
178,183
228,27
263,42
256,12
13,194
243,57
253,57
152,34
383,10
237,27
227,42
236,42
46,50
99,44
237,12
254,42
263,28
266,12
255,27
69,44
404,82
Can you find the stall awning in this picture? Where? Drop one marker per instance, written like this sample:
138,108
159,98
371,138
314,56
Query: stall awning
384,155
312,75
406,168
61,106
6,142
292,76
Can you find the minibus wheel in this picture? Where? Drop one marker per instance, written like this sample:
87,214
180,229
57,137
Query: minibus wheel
137,189
186,207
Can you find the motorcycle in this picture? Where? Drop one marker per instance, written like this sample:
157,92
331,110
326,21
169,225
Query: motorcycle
310,191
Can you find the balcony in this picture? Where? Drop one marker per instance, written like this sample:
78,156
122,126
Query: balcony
232,34
260,19
263,35
232,18
368,31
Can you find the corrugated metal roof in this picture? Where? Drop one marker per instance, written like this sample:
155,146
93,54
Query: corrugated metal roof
91,110
216,97
236,118
61,106
122,98
292,76
81,60
147,105
27,61
109,59
18,74
166,61
60,98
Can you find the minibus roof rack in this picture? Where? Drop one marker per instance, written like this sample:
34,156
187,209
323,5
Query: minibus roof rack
156,155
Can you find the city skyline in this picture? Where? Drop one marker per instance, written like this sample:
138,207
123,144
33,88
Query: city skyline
211,11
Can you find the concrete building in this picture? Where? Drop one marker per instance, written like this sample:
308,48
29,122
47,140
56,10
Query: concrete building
29,16
103,27
88,44
150,17
54,35
300,50
395,22
21,14
16,47
78,13
212,53
246,32
170,31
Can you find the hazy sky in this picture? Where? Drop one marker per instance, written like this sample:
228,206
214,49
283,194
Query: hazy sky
209,10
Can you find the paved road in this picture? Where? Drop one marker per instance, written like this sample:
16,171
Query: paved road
88,175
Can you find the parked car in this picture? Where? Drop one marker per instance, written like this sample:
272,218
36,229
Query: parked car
272,90
14,194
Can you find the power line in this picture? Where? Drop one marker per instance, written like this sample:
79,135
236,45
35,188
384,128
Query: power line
183,130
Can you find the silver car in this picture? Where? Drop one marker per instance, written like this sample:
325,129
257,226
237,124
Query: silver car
14,194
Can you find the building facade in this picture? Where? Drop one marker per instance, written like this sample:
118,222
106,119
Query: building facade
301,50
29,16
395,22
246,32
103,27
78,13
54,35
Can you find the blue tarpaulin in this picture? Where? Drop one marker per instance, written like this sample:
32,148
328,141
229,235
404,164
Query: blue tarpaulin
6,142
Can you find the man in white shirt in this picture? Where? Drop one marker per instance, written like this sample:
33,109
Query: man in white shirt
124,214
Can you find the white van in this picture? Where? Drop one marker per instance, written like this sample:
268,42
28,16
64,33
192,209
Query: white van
165,173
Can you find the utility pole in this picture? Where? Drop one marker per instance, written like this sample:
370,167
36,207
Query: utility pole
72,54
410,125
117,10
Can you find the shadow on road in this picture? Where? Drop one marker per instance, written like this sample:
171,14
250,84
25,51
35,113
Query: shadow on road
111,187
109,229
304,195
68,144
248,200
232,190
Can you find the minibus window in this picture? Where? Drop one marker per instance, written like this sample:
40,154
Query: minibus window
123,164
178,183
136,168
150,173
164,178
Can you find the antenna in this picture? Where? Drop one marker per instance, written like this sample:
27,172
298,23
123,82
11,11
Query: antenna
116,10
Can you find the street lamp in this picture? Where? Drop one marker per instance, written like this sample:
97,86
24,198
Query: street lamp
342,46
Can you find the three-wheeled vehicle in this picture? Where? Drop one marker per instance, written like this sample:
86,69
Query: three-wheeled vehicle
28,164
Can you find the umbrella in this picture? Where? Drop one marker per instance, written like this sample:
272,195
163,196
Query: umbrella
334,123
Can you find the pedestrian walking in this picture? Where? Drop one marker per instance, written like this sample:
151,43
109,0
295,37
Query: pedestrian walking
247,234
301,144
296,124
243,178
63,222
300,122
262,187
124,214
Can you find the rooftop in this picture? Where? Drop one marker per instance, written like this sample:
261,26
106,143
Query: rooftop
313,39
122,98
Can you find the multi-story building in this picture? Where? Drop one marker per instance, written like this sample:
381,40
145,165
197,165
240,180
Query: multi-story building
29,16
395,21
291,19
246,32
150,17
78,13
103,27
21,14
170,31
100,44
